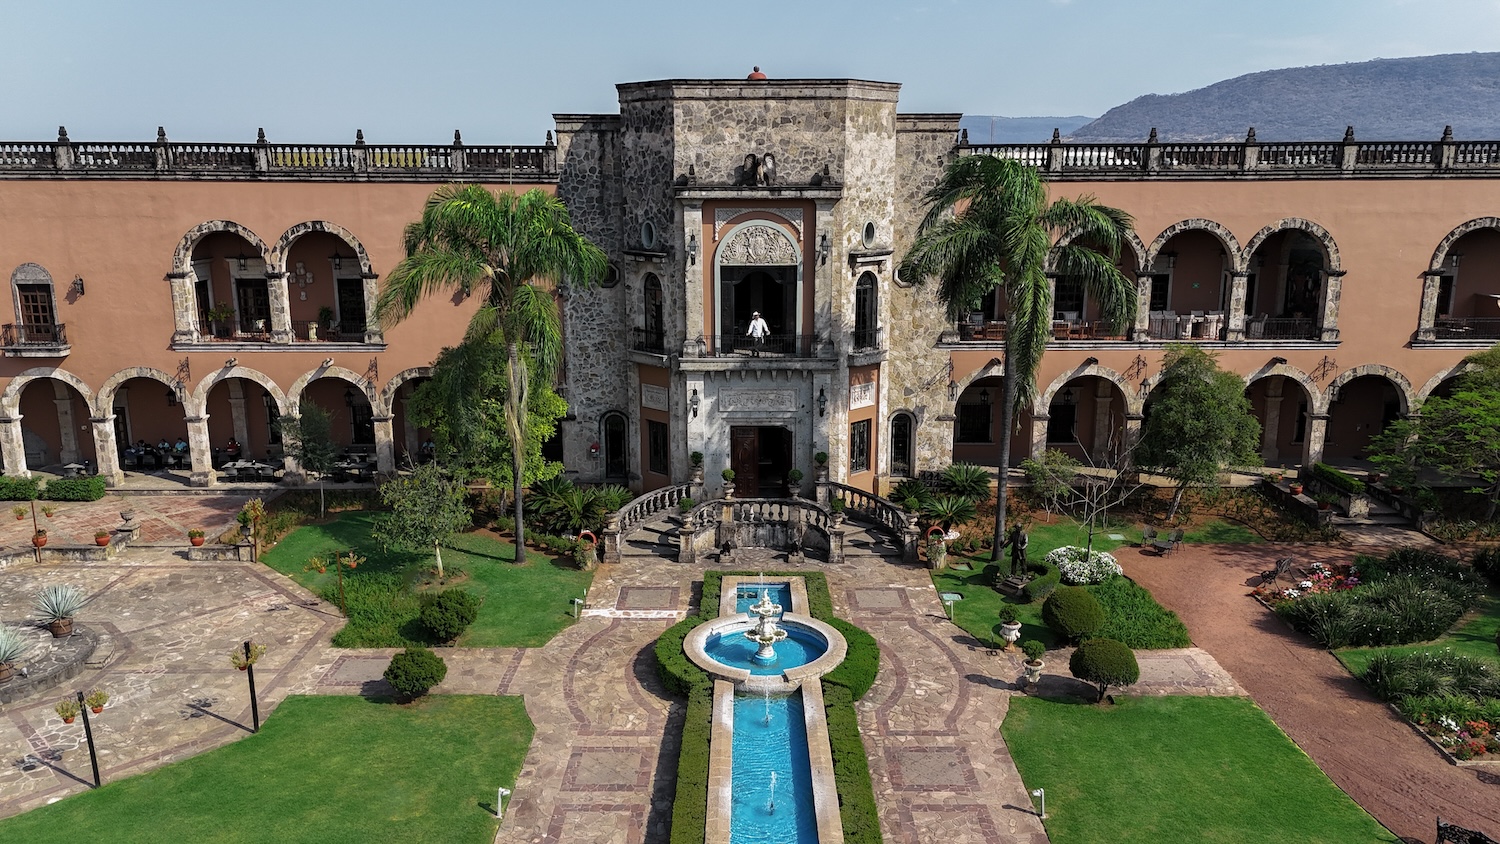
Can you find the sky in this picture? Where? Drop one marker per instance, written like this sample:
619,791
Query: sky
412,72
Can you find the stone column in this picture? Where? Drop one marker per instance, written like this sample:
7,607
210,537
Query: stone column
612,538
68,450
911,535
199,451
1270,430
1142,329
1427,323
1312,446
1038,436
373,334
13,446
237,415
385,445
1239,287
184,308
1333,287
1103,392
107,451
1132,431
281,307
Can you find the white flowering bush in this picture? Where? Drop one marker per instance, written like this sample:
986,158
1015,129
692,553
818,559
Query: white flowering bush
1080,567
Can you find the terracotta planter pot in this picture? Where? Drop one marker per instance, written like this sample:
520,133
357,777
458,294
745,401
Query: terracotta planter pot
1296,489
196,540
96,709
60,628
101,541
243,667
39,541
21,518
6,670
70,720
1323,505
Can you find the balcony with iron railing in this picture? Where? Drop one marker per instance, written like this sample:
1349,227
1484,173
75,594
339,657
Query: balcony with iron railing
773,345
647,340
34,340
1467,328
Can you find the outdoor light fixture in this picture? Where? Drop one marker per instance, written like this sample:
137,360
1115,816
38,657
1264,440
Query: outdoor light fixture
693,401
984,395
1041,794
1456,258
337,259
1068,397
822,401
269,400
952,390
171,397
1278,361
327,362
229,364
692,249
244,261
78,285
825,248
1171,260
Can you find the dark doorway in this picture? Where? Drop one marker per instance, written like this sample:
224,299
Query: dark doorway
760,457
744,291
616,452
255,305
351,293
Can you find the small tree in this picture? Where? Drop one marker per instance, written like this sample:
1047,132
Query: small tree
1051,479
308,437
1104,663
415,670
1199,422
449,613
427,509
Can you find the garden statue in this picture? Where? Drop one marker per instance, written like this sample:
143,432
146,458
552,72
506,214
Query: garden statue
1018,541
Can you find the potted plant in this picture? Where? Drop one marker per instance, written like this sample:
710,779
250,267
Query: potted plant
219,317
95,700
19,512
39,538
836,506
101,537
56,604
195,536
243,662
13,646
696,459
937,551
325,317
1010,628
1325,500
68,710
49,510
1295,487
728,476
1275,477
794,482
820,467
1033,650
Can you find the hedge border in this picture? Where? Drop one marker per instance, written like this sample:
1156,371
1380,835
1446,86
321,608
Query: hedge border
1338,479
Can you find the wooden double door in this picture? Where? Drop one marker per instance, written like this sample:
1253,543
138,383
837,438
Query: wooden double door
760,456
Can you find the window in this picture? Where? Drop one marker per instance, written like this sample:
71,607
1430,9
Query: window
255,305
36,316
363,422
901,450
1061,422
656,446
351,302
865,314
1069,296
974,423
859,447
1161,292
655,339
616,456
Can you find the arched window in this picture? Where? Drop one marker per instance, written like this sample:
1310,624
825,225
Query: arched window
865,313
902,426
616,452
653,331
36,311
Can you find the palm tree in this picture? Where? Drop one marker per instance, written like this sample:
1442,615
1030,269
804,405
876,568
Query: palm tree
989,226
514,252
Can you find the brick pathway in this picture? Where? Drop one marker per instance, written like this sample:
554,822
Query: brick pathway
164,519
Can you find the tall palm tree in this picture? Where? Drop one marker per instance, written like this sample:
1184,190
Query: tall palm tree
989,226
514,252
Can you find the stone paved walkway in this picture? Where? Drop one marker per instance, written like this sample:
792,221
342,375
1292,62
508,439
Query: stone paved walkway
164,519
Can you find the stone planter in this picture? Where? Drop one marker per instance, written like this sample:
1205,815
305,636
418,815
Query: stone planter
7,670
1033,673
1010,631
937,555
60,628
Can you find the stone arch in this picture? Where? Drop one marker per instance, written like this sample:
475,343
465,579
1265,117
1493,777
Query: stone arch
10,399
388,392
994,369
278,253
758,243
1440,255
1403,386
228,373
182,256
1132,242
105,404
1317,232
1314,394
1218,230
1133,400
1427,389
294,395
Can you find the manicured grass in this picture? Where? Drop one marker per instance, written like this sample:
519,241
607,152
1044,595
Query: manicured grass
524,605
322,770
1176,769
1474,636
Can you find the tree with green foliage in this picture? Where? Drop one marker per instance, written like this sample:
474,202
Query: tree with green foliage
428,508
514,253
1104,663
413,671
990,227
1198,422
308,437
1458,435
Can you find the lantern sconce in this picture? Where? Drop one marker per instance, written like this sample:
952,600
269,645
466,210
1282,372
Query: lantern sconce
78,285
822,401
952,391
337,259
171,397
1171,260
692,249
1069,397
693,402
1455,259
984,395
825,248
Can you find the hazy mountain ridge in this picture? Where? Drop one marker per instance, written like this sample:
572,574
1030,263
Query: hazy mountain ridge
1384,99
994,129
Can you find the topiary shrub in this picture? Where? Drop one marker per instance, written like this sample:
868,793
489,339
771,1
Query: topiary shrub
74,489
1104,663
1045,579
413,671
1073,613
447,614
18,489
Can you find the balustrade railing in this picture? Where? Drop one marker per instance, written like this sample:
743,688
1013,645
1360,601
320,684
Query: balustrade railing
872,508
643,340
25,156
642,508
1213,156
779,345
1397,154
1476,154
1467,328
46,334
114,156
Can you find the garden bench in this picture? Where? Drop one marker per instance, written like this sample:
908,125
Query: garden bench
1148,536
1283,566
1168,544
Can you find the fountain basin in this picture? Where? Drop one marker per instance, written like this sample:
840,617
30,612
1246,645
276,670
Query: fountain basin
810,650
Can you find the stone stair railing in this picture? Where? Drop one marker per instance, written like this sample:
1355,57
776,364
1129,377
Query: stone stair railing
884,515
726,524
641,510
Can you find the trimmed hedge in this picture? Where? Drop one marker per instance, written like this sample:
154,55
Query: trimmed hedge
18,489
1073,612
857,672
74,489
690,804
1339,480
851,768
413,671
1048,578
447,614
1104,663
677,672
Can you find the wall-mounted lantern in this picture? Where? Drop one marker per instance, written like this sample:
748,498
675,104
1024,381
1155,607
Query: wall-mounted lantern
822,401
693,402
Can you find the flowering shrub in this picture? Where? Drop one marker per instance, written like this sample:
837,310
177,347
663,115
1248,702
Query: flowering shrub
1324,578
1079,566
1464,740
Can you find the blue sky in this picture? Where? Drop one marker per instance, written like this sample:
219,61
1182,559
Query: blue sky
411,72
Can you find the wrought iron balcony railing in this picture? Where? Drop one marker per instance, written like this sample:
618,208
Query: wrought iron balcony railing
23,335
1467,328
643,340
777,345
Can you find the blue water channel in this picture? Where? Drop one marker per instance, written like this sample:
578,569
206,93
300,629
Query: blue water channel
749,593
762,746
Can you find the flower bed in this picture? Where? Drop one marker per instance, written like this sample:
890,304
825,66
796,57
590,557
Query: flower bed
1080,567
1465,741
1324,578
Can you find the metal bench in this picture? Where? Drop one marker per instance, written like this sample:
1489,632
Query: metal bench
1271,575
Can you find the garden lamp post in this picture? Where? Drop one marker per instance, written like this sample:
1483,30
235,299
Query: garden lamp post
1041,794
500,794
250,674
577,606
88,733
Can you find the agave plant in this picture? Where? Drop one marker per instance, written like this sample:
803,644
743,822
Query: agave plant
58,601
13,645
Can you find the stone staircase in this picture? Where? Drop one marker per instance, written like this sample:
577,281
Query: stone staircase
1380,515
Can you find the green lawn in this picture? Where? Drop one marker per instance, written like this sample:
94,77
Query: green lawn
1176,769
1474,636
322,769
524,605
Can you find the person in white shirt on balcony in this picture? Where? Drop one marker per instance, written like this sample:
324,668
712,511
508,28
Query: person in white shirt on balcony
758,332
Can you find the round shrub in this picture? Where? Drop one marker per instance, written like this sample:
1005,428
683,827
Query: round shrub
1073,613
449,613
1080,566
413,671
1104,663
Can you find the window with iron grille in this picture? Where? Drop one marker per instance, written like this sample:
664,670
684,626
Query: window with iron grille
859,446
973,423
865,315
656,446
901,428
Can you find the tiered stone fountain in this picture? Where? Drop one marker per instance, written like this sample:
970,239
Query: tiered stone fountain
765,633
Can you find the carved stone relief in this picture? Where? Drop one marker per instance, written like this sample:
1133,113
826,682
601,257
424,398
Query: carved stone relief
759,246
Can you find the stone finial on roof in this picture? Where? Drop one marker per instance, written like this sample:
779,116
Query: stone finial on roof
963,137
755,73
260,135
1056,136
692,175
62,134
1152,138
550,142
458,140
359,137
1349,135
161,134
1250,136
1447,134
